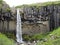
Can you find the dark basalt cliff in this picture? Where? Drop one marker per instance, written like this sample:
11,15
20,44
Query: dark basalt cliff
49,13
39,18
6,16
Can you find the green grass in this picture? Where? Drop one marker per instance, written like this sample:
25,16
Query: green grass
38,5
34,37
38,36
5,41
52,41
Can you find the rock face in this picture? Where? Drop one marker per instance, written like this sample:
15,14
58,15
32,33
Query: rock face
50,13
31,29
34,20
6,18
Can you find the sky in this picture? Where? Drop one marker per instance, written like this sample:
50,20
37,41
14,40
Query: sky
21,2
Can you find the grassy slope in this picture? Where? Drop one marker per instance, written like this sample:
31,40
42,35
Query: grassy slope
5,41
52,41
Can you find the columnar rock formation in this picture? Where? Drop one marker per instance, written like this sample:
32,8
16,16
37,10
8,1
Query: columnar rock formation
35,19
6,18
50,13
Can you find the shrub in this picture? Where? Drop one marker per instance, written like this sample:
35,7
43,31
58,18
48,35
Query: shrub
38,36
26,37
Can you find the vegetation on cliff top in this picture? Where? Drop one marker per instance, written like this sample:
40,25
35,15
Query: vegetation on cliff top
4,6
39,4
1,3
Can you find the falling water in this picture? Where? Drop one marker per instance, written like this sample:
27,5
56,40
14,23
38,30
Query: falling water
18,28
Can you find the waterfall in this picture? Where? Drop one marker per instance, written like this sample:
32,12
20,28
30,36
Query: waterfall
18,28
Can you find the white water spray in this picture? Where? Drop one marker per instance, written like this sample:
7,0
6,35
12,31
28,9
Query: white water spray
18,28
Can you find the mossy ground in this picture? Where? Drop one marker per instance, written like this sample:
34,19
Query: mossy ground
5,41
52,39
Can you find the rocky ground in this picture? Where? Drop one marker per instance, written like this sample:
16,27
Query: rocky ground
27,43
